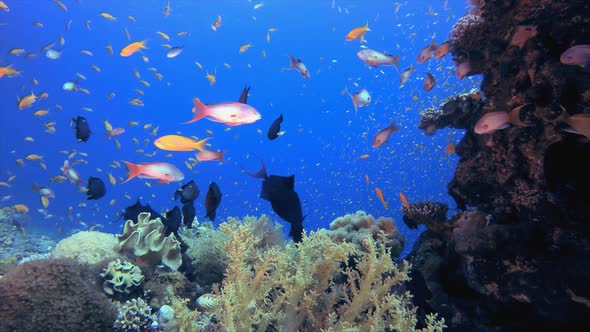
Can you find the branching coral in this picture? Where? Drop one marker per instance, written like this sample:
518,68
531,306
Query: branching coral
357,226
146,239
294,289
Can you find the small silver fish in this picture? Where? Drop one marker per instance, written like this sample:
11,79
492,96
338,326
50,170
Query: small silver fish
174,52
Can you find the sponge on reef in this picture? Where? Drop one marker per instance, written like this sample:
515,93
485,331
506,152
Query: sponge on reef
121,278
357,226
145,239
88,247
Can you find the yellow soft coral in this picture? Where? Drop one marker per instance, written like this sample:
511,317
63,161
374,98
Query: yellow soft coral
310,286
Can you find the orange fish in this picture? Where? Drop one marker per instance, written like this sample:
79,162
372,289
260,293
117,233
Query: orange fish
367,179
216,24
132,48
364,156
161,171
180,143
380,195
383,135
358,32
27,101
450,149
404,200
8,71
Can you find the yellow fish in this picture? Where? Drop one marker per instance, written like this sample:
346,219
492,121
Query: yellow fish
108,16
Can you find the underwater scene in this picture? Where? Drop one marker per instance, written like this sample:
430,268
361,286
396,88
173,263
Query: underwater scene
281,165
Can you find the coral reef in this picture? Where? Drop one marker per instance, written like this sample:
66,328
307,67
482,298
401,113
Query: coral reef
518,259
88,247
456,112
53,295
168,288
135,316
293,287
355,227
146,240
206,248
121,278
433,215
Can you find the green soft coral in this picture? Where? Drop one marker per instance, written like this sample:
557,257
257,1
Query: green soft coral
121,278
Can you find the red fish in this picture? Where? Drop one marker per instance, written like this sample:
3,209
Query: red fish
429,82
383,135
426,52
493,121
230,113
164,172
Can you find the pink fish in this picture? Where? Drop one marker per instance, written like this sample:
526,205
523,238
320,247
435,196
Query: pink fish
429,82
462,69
230,113
405,76
208,155
360,99
426,52
383,135
493,121
375,58
298,65
163,172
576,55
115,132
442,50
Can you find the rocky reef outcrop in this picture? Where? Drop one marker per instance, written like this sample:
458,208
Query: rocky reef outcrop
516,257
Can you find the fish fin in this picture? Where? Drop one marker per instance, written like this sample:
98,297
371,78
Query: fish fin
261,173
200,111
200,145
514,117
395,62
393,127
133,170
244,96
293,61
355,101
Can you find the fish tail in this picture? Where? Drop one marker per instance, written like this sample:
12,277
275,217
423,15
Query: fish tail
36,187
45,201
514,116
142,44
355,102
200,145
395,62
261,173
132,169
200,111
293,61
393,127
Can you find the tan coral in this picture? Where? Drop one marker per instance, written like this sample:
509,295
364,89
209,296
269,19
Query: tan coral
88,247
121,278
145,239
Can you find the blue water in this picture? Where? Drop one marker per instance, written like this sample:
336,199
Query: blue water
324,136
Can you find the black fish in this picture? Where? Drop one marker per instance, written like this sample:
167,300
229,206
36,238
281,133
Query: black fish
275,128
188,214
284,200
188,192
96,188
212,200
132,211
172,221
82,130
244,96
